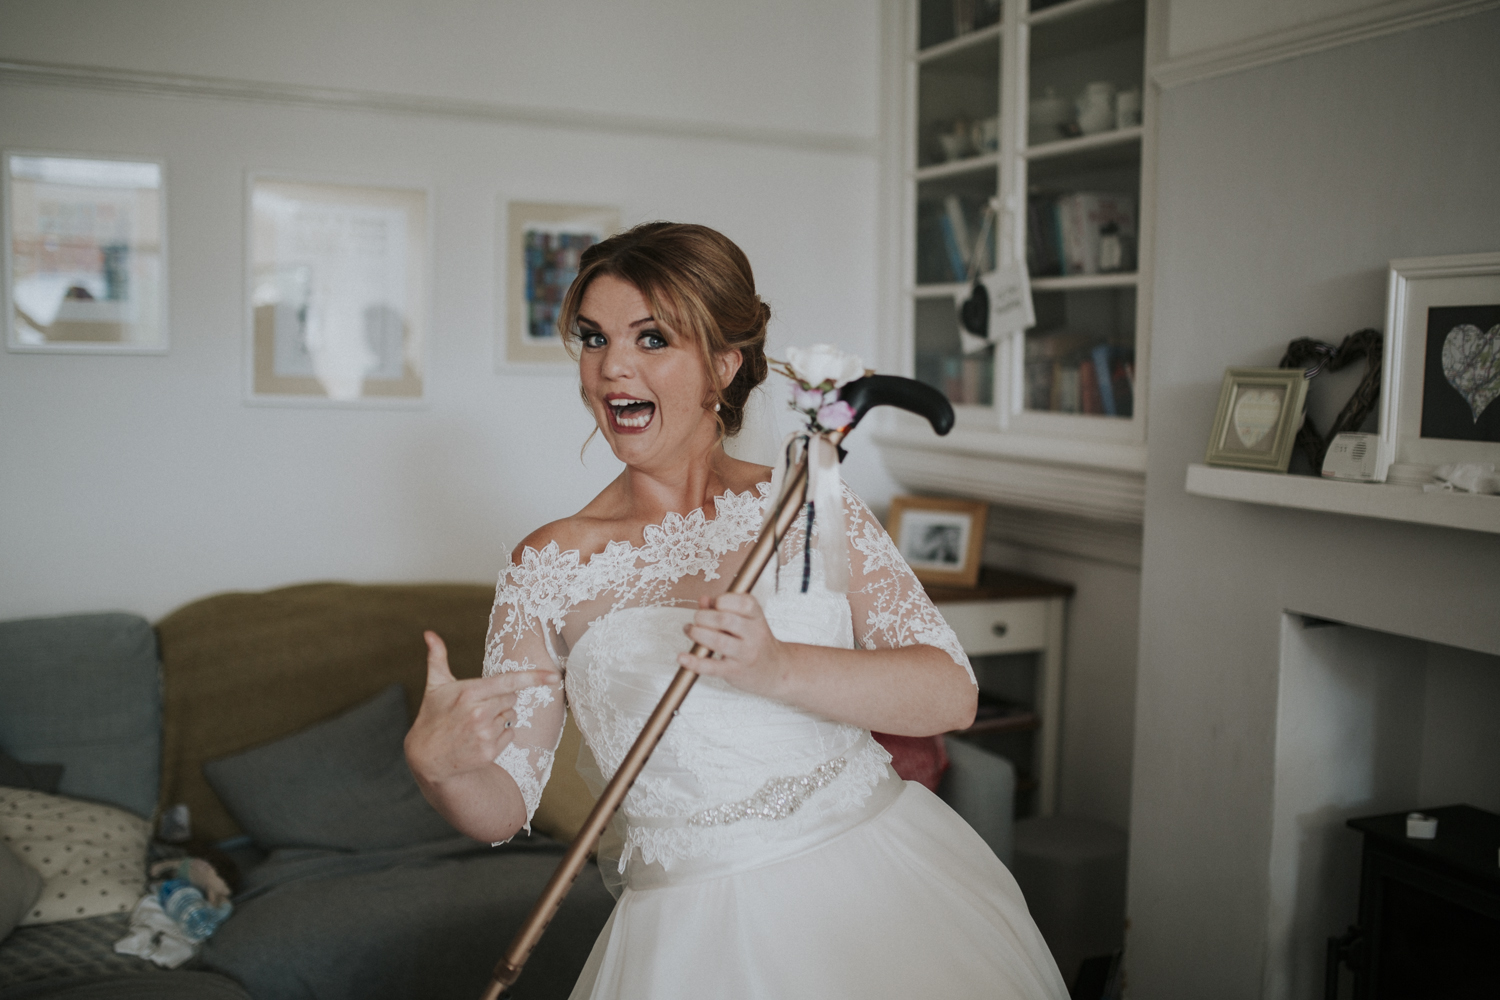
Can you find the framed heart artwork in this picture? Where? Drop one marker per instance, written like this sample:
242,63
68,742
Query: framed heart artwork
1440,398
1259,412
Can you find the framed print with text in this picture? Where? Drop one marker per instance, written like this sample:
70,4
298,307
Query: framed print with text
338,297
1259,412
85,254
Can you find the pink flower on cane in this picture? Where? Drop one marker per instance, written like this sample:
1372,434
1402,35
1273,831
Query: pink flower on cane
806,400
836,415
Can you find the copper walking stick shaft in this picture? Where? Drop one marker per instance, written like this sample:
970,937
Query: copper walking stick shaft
509,968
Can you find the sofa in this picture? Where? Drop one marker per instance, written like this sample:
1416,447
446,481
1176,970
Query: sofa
276,719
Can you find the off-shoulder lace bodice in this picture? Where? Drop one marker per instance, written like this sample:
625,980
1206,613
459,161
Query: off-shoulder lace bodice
612,622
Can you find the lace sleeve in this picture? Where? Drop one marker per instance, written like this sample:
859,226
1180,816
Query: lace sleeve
889,606
521,638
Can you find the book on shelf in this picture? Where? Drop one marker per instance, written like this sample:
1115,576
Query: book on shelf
1066,234
946,230
1065,372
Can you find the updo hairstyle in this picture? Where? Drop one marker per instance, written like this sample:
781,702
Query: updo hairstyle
699,285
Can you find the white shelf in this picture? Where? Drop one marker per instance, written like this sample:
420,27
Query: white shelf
1062,10
988,161
1382,500
1070,282
1062,147
952,45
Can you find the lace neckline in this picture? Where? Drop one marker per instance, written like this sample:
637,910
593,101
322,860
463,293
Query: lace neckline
729,509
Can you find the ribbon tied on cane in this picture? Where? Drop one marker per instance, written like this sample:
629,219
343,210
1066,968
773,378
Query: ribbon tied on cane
817,374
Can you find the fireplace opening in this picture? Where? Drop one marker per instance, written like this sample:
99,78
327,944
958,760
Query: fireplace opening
1368,723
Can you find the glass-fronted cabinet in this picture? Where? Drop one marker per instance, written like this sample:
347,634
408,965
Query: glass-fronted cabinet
1035,109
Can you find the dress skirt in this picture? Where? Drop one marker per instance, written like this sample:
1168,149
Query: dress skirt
905,901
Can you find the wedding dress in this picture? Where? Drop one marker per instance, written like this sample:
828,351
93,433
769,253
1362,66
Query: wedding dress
767,852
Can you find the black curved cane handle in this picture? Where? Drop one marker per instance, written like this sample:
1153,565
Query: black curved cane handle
864,394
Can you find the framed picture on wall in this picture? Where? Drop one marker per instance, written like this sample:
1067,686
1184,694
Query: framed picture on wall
542,245
338,293
941,539
85,254
1440,401
1259,412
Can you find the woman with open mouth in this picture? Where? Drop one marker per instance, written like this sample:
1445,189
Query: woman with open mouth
769,849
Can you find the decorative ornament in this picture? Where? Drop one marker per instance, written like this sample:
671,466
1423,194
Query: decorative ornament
1305,351
817,374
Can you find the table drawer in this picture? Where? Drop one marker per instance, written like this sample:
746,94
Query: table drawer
985,627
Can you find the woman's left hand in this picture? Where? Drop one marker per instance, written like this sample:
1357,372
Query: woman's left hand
747,654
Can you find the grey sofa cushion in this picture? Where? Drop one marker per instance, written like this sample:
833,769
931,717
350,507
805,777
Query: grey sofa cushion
425,926
20,884
84,691
342,784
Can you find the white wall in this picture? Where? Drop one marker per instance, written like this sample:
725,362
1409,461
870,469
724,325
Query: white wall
141,483
1198,25
1099,667
1282,193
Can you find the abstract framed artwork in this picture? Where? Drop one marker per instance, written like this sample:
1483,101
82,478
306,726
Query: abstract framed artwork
1440,398
543,243
941,539
1259,412
85,253
338,293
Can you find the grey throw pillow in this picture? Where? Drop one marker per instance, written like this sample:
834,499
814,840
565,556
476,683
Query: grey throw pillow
37,777
20,885
341,784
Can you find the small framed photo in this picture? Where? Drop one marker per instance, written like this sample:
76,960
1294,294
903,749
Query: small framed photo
543,243
85,254
1440,401
941,539
338,293
1259,412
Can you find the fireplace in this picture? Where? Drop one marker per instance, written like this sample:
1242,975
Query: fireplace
1368,724
1429,910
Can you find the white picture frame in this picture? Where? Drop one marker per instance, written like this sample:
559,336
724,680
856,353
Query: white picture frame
337,292
85,252
1435,373
527,340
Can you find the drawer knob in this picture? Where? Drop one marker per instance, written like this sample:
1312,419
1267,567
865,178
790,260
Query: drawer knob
1000,628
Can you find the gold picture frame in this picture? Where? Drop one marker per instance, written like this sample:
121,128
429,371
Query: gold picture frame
542,245
941,539
1256,424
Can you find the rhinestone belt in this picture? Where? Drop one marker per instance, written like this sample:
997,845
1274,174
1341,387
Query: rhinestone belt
776,799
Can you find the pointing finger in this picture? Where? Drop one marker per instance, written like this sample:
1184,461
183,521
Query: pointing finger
438,673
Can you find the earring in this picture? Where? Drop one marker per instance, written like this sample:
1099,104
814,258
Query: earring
716,407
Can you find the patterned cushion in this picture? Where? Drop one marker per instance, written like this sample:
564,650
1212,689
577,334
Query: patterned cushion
20,885
92,857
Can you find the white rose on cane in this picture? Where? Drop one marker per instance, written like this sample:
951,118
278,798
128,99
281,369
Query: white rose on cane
817,374
823,366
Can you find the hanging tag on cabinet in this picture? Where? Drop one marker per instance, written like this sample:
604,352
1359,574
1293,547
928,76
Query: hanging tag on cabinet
1011,310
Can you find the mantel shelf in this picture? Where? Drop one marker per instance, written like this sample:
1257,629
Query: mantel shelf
1383,500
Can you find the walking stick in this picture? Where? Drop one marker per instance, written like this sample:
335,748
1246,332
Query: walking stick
862,395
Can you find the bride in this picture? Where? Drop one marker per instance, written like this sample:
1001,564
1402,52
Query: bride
768,848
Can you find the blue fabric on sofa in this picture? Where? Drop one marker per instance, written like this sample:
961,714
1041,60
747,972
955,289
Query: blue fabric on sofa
84,691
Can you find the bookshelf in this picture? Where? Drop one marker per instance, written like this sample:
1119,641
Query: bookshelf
993,109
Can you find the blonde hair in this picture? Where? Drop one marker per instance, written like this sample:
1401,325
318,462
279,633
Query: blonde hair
699,285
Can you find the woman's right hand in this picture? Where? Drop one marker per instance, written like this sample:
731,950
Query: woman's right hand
464,724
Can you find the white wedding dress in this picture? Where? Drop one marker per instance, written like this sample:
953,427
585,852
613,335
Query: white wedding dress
767,852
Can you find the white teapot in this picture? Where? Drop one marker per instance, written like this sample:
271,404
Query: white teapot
1096,107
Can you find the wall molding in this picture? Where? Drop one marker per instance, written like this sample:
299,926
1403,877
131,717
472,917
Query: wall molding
100,78
1341,29
1097,541
1070,491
